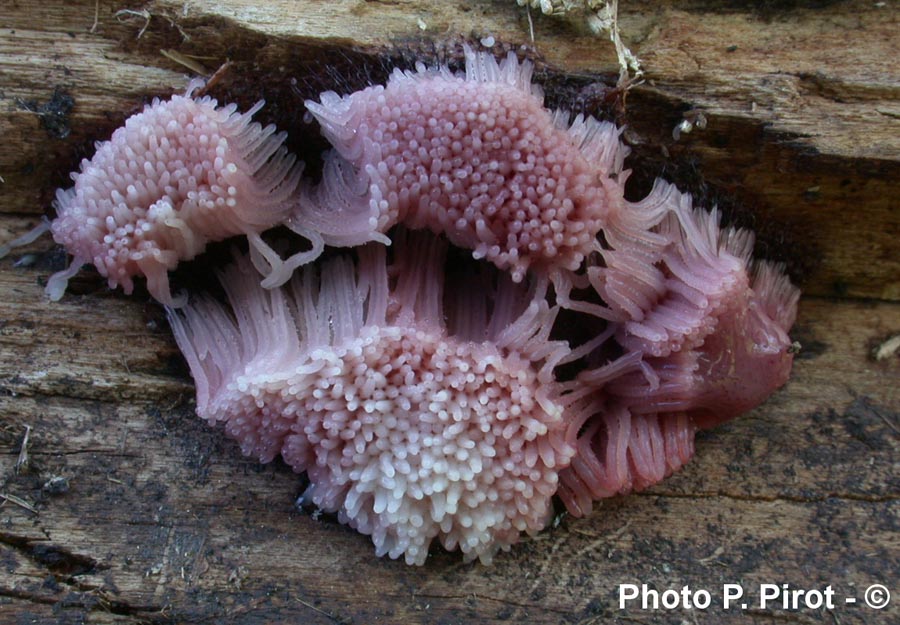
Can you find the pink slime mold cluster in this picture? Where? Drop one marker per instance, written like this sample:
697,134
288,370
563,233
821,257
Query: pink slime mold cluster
416,415
422,404
179,174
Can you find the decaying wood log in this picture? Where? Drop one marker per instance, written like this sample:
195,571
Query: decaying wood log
117,505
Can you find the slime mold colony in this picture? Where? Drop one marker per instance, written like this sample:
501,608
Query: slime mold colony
425,402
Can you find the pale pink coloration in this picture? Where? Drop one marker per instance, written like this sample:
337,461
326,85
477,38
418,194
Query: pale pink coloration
671,284
474,156
656,404
416,418
29,237
734,369
179,174
229,352
619,452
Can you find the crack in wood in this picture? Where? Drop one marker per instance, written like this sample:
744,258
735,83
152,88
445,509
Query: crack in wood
65,566
774,498
93,601
757,155
56,559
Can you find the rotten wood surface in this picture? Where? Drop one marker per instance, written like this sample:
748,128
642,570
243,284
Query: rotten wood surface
125,508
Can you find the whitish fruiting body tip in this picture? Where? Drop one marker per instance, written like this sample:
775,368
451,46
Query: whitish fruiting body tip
179,174
474,156
416,418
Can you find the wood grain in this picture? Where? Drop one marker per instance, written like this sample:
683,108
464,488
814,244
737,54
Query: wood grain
165,521
801,142
143,514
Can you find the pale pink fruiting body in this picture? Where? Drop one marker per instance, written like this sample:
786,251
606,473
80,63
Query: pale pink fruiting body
424,406
670,288
415,418
418,416
473,156
619,452
734,369
179,174
721,351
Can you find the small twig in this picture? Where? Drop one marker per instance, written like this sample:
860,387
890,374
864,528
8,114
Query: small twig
186,61
18,501
714,555
215,78
887,421
889,347
607,19
834,616
23,451
530,23
178,400
144,13
321,611
96,17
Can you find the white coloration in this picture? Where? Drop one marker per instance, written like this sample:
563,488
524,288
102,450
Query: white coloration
603,18
417,418
606,20
29,237
558,7
683,128
179,174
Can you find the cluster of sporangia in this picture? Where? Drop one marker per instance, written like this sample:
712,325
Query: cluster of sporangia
424,403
